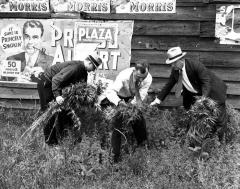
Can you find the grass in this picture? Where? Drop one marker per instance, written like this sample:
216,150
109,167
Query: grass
165,163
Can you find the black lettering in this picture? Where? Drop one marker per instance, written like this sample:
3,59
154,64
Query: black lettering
170,7
158,7
150,7
143,7
44,6
34,7
21,6
134,7
79,7
94,7
13,6
87,7
104,7
27,7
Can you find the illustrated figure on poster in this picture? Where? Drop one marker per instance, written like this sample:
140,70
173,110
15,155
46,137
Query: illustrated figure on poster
34,59
121,6
227,27
53,80
4,5
60,5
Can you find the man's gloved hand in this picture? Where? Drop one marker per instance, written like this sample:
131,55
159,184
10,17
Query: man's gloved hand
36,71
122,103
59,100
156,101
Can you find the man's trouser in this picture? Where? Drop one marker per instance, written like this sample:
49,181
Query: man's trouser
56,125
44,87
139,130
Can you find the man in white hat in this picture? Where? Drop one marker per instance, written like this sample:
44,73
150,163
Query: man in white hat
55,78
194,79
130,86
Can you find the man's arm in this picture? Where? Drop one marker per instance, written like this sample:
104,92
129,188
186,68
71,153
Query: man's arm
168,86
204,77
113,90
61,77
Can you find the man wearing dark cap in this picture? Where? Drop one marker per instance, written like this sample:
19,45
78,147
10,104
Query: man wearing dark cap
194,79
55,78
130,86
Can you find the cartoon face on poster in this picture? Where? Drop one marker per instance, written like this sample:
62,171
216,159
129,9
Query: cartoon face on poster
146,6
227,24
39,6
29,46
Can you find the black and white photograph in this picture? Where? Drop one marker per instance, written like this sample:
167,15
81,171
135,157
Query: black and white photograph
119,94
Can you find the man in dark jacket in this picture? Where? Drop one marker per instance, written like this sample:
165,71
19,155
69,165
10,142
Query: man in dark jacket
194,79
55,78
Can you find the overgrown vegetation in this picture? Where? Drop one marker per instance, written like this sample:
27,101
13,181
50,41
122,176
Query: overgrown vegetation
166,162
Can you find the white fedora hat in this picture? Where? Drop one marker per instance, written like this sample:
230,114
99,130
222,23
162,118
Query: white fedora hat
174,54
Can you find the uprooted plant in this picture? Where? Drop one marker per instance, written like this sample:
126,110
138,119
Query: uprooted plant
77,97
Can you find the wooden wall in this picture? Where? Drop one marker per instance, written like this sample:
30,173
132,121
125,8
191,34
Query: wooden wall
192,28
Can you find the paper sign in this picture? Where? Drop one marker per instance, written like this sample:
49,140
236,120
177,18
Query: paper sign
10,68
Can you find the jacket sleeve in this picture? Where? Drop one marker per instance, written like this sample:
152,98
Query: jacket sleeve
168,86
61,77
204,78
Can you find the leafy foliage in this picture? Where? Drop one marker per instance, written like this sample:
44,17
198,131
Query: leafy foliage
165,163
77,97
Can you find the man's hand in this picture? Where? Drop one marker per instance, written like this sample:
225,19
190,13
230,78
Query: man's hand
59,100
36,71
122,103
156,101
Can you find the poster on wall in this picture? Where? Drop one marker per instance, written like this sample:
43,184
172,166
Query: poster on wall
34,6
146,6
28,45
227,27
88,6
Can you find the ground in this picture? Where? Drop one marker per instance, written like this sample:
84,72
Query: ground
165,163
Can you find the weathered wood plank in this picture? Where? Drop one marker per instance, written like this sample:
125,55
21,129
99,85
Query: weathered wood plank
67,15
210,59
190,1
234,101
226,74
225,1
26,15
220,59
21,93
158,83
187,43
157,57
11,84
172,101
207,29
199,13
19,104
190,28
